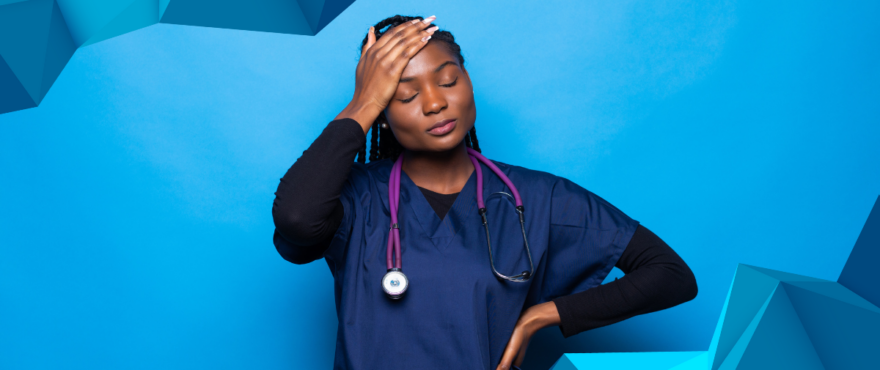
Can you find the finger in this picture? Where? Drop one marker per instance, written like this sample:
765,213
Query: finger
371,40
405,51
510,352
522,353
402,31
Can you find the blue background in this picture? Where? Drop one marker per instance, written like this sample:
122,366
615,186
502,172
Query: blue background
135,224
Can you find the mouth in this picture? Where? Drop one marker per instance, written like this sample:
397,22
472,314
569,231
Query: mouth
442,127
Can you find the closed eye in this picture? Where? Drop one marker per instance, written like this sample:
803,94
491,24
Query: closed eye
409,99
451,84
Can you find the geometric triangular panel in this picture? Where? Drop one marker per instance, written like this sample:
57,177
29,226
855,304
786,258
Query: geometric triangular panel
138,14
845,332
748,293
633,361
778,320
280,16
778,341
861,274
40,36
26,25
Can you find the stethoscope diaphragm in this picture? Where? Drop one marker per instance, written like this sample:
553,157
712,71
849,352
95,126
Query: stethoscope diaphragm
394,283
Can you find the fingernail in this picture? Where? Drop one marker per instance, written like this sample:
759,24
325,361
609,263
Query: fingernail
426,38
429,19
432,29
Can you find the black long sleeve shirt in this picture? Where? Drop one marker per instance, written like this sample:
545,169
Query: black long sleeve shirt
307,211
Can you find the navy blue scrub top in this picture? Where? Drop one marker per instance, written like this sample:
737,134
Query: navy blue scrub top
456,313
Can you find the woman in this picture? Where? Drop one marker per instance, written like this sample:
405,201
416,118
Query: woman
460,309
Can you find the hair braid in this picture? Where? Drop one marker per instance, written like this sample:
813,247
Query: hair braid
472,134
374,142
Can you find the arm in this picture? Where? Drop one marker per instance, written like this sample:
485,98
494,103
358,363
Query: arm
307,210
656,279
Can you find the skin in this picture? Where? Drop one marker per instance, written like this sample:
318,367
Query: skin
418,83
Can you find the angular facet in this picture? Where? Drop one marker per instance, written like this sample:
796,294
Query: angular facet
860,274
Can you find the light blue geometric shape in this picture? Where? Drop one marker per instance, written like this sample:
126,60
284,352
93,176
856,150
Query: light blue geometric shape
774,340
48,32
633,361
748,294
861,274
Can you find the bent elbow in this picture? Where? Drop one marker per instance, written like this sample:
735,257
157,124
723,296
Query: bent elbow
299,255
294,226
689,286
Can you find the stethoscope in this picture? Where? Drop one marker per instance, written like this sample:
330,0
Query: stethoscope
395,282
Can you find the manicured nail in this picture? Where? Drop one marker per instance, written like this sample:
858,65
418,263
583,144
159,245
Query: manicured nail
432,29
429,19
426,38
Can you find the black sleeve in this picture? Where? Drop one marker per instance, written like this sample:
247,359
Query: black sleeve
656,278
307,210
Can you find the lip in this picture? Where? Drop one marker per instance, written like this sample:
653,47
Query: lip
442,127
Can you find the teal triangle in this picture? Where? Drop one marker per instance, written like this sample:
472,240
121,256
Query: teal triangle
332,9
564,363
636,360
696,363
85,18
140,14
845,335
25,55
163,4
311,10
59,49
860,274
730,360
784,276
748,293
837,291
281,16
13,96
779,341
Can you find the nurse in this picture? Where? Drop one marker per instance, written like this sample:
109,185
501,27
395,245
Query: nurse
414,98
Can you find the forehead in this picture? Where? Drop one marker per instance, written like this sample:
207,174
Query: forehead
429,58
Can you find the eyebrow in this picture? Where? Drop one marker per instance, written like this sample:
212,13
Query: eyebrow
446,63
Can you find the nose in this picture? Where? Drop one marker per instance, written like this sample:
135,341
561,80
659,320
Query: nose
433,101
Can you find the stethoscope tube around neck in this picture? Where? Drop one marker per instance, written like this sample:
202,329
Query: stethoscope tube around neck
393,260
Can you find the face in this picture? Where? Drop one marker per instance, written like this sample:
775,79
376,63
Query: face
433,89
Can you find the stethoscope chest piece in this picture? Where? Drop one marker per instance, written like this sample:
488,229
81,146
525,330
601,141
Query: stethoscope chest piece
394,283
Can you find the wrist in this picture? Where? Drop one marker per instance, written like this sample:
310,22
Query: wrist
541,316
364,114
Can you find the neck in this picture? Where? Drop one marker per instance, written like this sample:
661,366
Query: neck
443,172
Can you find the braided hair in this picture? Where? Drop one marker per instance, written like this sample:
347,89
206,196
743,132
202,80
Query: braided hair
383,144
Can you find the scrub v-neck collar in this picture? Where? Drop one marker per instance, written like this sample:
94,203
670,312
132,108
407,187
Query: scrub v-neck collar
441,232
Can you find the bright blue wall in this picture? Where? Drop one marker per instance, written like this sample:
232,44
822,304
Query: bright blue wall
135,226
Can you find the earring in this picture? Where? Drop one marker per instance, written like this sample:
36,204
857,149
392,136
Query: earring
383,125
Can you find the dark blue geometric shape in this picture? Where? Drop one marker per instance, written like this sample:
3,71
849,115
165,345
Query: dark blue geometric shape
48,32
861,273
36,54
